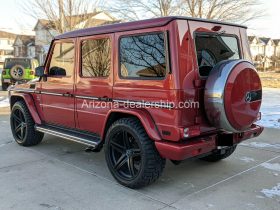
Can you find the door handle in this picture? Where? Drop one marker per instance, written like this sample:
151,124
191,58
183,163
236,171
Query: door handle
67,94
105,98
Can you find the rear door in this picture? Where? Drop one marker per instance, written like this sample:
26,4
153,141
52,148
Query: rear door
212,43
93,89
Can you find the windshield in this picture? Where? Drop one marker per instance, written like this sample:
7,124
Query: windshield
24,62
211,49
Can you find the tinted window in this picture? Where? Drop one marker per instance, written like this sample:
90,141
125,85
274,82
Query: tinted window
62,59
96,58
143,56
212,49
10,62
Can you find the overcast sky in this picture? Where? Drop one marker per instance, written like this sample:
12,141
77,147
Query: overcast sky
13,18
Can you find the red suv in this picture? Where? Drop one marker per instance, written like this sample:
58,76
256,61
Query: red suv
166,88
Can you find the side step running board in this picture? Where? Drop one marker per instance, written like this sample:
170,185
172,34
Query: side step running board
86,139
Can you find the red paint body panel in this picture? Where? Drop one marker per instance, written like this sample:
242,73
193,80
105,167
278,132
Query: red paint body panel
28,99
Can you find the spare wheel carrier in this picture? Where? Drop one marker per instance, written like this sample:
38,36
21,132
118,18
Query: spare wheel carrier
233,95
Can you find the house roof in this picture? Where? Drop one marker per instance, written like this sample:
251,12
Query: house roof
4,34
265,40
251,38
75,19
47,24
26,39
276,41
149,23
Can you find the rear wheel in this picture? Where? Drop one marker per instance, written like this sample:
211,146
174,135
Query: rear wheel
219,154
131,155
22,126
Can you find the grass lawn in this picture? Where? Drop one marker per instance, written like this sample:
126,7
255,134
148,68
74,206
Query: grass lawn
270,79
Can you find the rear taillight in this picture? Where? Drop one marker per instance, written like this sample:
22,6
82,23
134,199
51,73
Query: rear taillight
4,72
190,132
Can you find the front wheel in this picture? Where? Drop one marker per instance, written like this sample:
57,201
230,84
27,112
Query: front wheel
219,154
22,126
131,155
5,86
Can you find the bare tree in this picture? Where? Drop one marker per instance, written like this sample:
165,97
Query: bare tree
64,15
225,10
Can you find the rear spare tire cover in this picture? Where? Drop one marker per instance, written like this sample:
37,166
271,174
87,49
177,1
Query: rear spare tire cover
233,95
17,72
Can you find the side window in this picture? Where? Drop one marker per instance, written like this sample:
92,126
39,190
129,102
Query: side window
96,58
62,61
143,56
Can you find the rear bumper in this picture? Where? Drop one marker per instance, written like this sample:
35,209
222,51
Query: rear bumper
203,145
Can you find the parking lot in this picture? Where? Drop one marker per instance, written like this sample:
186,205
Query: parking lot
58,174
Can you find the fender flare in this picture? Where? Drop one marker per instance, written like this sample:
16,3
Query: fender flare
28,99
144,117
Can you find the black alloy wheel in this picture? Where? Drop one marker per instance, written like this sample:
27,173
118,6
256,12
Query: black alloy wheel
131,155
23,126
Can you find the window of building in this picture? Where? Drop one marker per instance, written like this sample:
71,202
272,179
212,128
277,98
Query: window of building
96,58
143,56
62,61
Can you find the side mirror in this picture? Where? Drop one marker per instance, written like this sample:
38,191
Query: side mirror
57,71
40,71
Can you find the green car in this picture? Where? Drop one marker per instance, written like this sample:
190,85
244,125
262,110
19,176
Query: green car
19,70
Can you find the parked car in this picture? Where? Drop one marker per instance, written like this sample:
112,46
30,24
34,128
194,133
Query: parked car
18,70
166,88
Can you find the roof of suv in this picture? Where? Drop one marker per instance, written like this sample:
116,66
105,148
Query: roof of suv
149,23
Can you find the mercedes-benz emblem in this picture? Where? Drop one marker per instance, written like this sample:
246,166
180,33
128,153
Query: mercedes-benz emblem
248,97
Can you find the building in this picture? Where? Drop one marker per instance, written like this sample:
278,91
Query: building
265,52
6,46
24,46
45,30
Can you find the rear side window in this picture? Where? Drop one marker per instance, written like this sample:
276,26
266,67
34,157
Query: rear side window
143,56
96,58
213,48
62,61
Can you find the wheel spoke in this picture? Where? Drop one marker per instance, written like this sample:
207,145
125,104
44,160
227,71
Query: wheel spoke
21,132
118,147
125,140
131,166
122,160
16,118
17,129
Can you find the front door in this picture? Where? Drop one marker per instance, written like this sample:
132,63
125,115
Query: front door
57,88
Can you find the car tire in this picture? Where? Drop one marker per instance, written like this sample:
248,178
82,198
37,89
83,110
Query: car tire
5,86
131,155
22,126
219,154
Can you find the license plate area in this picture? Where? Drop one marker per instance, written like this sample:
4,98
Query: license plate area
7,80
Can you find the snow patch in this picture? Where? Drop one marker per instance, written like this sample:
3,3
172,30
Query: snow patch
261,145
270,193
4,103
271,166
270,107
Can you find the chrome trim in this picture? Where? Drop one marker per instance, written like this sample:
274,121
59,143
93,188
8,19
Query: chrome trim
23,90
50,93
87,97
214,94
66,136
156,104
